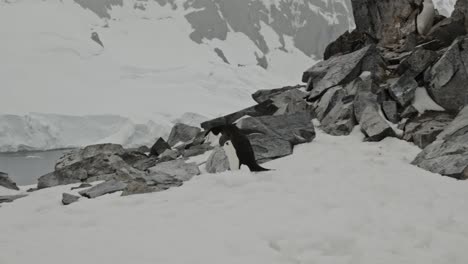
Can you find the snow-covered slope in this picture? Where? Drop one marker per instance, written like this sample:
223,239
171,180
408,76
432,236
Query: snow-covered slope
336,200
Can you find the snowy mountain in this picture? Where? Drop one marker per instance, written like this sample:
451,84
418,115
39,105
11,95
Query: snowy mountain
160,57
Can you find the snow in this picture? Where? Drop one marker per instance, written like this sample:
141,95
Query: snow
423,102
336,200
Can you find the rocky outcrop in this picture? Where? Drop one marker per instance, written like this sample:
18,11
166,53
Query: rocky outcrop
11,198
261,96
449,76
448,155
69,198
6,182
78,155
177,170
348,43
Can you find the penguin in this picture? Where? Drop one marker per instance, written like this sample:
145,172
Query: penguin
237,147
95,37
425,18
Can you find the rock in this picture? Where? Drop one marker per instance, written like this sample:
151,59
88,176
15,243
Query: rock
417,62
461,12
327,102
403,90
139,187
296,128
174,170
366,111
268,147
347,43
182,133
159,147
69,199
291,102
169,155
145,164
217,162
261,96
261,109
6,182
424,129
196,150
449,76
83,185
99,167
11,198
78,155
444,33
104,188
133,157
448,155
387,21
342,70
340,121
143,149
390,109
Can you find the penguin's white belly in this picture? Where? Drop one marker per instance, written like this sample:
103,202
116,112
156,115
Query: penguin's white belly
426,18
232,155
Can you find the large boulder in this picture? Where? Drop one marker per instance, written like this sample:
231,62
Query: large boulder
404,89
449,77
6,182
290,102
461,12
99,167
424,129
217,161
182,133
159,147
262,109
448,155
416,63
196,150
445,32
387,21
78,155
341,70
296,128
269,147
104,188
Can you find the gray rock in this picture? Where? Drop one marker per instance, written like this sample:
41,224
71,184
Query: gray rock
133,157
69,199
139,187
387,21
196,150
342,70
296,128
268,147
159,147
145,164
143,149
419,60
390,110
104,188
261,96
347,43
99,167
366,111
169,155
182,133
409,112
424,129
449,76
461,12
340,121
262,109
444,33
6,182
327,102
83,185
174,170
78,155
11,198
403,90
290,102
448,155
217,162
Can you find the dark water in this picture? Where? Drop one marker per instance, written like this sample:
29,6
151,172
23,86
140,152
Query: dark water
25,167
